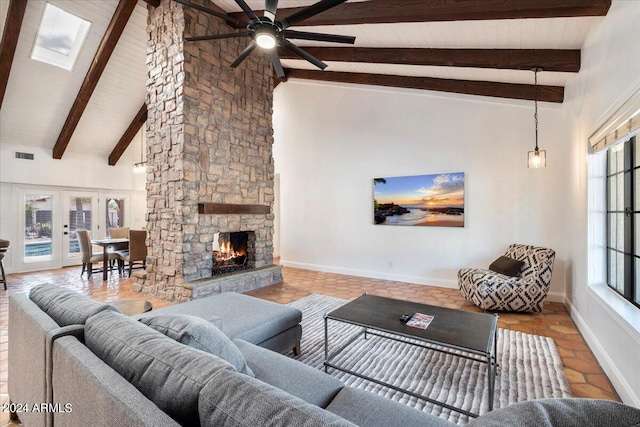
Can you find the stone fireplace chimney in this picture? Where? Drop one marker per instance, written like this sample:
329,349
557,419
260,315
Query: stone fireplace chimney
209,155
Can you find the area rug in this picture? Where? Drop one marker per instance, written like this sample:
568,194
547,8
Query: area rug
530,366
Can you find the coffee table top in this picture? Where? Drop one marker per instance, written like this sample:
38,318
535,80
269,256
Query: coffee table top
458,328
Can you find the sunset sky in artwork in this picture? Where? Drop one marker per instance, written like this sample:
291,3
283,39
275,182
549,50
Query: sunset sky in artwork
443,190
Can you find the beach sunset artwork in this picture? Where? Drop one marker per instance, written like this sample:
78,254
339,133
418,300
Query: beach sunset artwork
420,200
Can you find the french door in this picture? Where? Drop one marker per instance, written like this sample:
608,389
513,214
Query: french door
80,211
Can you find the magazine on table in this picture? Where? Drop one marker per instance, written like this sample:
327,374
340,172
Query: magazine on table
420,321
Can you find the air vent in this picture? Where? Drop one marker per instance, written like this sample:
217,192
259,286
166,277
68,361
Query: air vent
25,156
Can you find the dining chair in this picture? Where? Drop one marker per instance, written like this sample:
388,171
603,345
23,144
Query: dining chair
4,247
137,253
88,256
119,232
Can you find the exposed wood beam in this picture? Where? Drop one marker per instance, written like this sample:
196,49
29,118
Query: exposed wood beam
385,11
107,45
10,35
515,59
128,135
153,3
469,87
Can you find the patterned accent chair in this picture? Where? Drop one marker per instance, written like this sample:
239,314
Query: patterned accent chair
494,291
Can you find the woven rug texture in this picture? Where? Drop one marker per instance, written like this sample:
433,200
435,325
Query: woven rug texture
530,366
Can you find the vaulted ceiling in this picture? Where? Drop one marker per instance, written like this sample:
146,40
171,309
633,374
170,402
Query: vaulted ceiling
462,46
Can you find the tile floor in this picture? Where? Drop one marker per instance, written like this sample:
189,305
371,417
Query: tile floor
581,368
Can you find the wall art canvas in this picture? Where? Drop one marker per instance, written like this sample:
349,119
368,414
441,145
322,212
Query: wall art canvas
420,200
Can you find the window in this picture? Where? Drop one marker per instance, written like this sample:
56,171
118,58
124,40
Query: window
60,37
623,219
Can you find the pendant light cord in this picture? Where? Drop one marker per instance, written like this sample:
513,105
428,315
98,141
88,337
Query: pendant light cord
535,74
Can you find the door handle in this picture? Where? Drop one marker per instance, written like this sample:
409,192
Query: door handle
65,233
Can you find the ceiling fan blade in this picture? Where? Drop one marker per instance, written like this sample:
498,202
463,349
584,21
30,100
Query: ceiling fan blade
217,36
247,10
277,66
310,11
297,51
243,55
270,7
303,35
213,12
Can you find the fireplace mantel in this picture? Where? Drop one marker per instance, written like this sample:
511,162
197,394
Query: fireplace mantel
232,209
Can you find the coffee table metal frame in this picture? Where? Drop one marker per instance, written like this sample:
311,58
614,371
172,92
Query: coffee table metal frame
489,357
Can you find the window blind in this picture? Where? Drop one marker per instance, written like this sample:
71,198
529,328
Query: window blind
621,126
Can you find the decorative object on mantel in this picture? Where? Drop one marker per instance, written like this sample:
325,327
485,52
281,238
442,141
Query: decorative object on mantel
267,33
426,200
536,158
141,166
232,209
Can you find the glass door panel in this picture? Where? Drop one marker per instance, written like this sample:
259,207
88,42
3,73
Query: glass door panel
80,211
116,210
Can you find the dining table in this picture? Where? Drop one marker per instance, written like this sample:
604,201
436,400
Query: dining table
110,245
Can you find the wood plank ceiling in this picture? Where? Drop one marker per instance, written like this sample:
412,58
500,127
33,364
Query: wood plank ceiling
471,47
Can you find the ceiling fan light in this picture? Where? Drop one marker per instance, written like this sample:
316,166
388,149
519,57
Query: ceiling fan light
266,41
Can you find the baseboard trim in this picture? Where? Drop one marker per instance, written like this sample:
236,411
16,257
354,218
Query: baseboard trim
615,376
452,284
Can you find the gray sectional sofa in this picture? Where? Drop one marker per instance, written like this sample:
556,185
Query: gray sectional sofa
94,366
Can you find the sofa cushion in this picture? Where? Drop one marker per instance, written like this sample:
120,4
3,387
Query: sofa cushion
507,266
234,400
168,373
66,307
561,412
198,333
309,384
365,408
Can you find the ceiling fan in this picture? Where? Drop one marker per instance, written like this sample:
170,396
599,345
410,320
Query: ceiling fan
266,32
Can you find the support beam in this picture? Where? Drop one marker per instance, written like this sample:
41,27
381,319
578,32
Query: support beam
10,36
514,59
469,87
385,11
152,3
128,135
107,45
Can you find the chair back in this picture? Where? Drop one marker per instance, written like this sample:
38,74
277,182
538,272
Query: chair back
138,245
4,245
84,239
538,262
119,232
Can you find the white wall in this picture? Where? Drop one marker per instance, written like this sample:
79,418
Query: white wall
609,75
331,140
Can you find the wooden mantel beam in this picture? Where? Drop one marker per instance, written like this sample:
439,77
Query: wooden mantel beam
469,87
514,59
10,36
107,45
386,11
128,135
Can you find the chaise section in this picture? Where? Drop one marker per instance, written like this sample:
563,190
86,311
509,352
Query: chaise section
300,380
98,395
264,323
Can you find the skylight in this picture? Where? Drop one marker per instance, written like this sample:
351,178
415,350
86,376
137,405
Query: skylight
60,37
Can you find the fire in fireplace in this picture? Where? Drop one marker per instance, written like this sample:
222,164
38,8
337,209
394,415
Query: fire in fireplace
233,253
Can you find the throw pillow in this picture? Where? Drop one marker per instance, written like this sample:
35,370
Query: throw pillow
506,266
198,333
168,373
64,306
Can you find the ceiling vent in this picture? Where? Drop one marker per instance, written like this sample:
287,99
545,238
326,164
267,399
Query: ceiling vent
25,156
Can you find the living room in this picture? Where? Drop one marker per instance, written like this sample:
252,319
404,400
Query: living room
332,139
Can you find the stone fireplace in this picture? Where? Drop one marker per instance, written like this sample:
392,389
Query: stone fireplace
209,155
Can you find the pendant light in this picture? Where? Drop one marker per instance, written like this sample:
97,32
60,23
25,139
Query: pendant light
537,158
141,166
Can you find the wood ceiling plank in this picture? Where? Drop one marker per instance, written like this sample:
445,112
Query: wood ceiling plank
107,45
515,59
10,36
469,87
385,11
128,135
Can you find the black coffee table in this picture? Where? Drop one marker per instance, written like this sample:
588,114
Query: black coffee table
474,334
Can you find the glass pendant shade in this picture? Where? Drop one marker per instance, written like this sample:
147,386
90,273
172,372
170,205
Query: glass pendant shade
537,158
